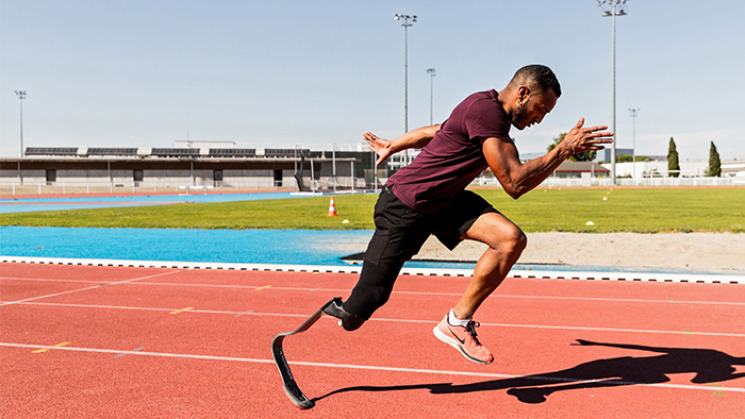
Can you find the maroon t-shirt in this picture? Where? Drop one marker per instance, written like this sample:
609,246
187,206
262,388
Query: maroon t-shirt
454,157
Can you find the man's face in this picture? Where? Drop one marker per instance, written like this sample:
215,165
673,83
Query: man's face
532,107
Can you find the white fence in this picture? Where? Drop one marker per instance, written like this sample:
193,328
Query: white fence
557,182
339,183
41,188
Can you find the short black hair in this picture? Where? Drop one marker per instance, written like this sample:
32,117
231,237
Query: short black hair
539,76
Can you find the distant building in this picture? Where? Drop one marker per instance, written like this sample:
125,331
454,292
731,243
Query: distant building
580,169
606,155
584,170
619,151
301,169
733,168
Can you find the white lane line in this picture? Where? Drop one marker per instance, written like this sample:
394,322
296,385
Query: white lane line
428,293
57,294
74,281
376,368
516,273
428,322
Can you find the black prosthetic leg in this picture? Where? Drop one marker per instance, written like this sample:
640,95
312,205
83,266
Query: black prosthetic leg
333,308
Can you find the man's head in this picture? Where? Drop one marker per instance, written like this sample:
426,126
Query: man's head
530,95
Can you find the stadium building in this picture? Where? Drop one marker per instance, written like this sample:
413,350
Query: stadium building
189,167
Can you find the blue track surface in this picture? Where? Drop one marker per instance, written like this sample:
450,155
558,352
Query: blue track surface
296,247
285,247
84,202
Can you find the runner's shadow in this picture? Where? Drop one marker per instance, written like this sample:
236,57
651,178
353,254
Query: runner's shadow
710,366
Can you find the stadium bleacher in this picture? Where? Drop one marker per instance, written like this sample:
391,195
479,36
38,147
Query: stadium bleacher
283,153
51,151
232,152
112,152
174,152
286,152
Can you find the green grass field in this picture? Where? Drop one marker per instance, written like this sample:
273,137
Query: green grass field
565,210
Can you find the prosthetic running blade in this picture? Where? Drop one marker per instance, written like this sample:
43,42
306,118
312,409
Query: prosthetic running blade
289,384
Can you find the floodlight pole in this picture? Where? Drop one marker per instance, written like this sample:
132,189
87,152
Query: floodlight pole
21,95
431,72
633,112
613,8
333,165
406,25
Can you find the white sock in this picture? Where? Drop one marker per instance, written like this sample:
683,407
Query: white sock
454,321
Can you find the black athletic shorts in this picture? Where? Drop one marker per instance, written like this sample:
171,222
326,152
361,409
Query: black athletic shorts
400,229
399,234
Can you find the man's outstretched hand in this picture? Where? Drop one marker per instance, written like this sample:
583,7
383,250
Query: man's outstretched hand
380,146
580,139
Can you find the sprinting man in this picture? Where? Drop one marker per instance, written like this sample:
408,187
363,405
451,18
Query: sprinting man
428,197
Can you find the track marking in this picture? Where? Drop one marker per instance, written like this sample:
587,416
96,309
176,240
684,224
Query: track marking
181,310
121,354
244,313
74,281
688,333
85,289
42,350
716,392
705,387
608,329
430,293
455,272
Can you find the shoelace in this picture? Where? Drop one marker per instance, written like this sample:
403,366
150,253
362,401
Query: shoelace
471,328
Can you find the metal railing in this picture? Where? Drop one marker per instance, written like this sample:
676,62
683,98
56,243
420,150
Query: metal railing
558,182
327,183
323,183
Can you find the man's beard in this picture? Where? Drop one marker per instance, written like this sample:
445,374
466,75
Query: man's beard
517,117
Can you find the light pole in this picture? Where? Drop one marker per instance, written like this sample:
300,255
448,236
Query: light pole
405,23
431,72
633,112
613,8
21,95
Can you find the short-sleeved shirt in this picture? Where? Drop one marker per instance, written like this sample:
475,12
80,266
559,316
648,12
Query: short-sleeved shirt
454,157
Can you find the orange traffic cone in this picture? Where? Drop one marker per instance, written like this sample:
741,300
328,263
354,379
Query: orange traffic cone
332,208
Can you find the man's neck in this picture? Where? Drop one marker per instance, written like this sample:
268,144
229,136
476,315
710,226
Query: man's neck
504,96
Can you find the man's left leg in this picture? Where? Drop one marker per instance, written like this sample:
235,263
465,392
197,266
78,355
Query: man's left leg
506,242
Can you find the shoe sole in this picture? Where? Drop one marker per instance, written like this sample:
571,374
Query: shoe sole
452,342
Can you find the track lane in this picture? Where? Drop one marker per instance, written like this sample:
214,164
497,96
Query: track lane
362,372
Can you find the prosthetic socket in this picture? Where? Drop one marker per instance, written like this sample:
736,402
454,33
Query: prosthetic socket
348,321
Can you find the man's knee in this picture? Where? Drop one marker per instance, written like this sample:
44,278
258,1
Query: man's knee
372,290
518,242
499,233
366,299
510,240
359,306
348,321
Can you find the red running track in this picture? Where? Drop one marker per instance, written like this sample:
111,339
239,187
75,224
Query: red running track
91,341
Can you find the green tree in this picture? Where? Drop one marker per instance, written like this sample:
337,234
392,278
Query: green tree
715,165
583,156
625,158
673,165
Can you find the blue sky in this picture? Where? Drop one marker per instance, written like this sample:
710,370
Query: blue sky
134,73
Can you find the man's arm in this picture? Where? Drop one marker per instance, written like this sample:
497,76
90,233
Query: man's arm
628,346
417,138
518,178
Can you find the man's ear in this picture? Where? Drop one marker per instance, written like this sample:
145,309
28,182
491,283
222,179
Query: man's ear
523,92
